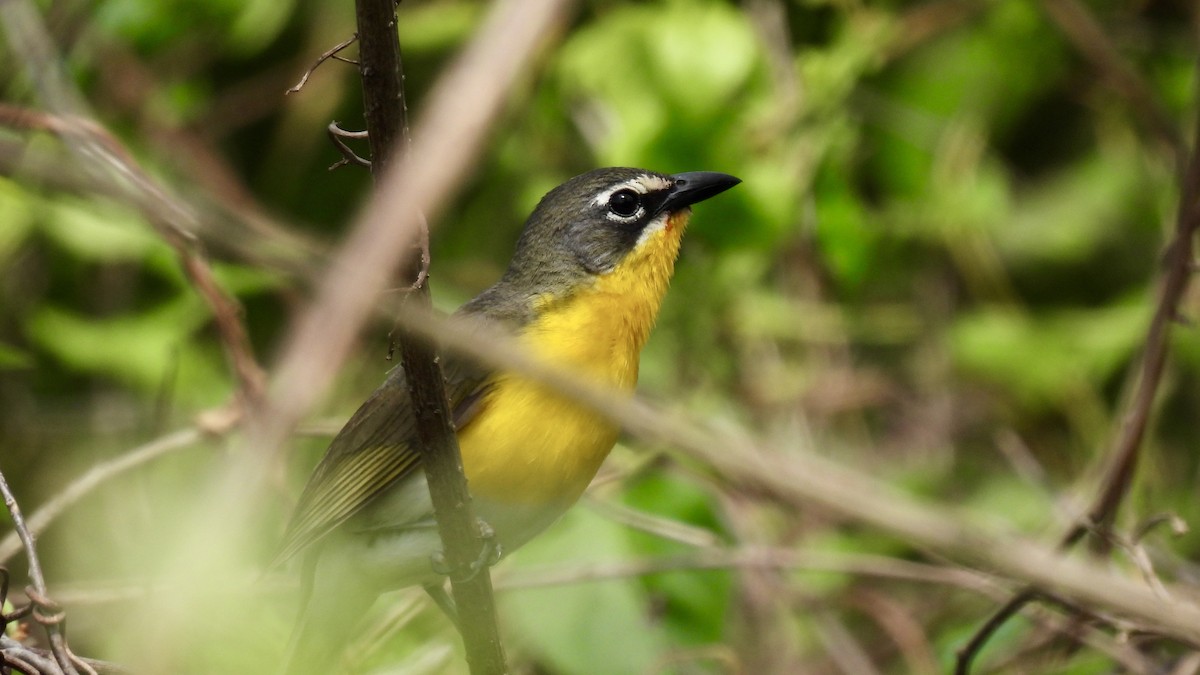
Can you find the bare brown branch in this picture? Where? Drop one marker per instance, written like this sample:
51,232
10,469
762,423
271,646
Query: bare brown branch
463,542
171,219
1083,30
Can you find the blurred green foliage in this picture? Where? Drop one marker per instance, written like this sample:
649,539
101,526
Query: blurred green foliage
940,266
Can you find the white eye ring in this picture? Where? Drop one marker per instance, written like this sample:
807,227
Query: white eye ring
625,204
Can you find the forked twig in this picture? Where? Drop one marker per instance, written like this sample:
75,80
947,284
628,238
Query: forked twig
336,134
44,610
331,53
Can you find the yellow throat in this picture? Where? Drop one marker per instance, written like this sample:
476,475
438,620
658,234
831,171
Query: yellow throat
531,445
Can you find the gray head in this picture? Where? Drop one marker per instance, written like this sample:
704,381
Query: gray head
586,226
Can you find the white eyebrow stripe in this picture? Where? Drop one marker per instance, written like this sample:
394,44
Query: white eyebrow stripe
641,184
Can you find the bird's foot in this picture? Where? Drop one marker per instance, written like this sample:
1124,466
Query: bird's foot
489,554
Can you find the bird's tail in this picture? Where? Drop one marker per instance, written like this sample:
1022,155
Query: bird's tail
326,620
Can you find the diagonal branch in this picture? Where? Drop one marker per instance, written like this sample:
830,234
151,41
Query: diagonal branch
1127,449
103,156
1178,263
797,478
1086,34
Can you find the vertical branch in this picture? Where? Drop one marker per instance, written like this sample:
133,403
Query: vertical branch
462,543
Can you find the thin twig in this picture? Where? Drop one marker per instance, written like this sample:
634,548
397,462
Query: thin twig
750,557
336,134
45,611
41,661
1178,262
331,53
259,240
25,659
967,653
659,526
102,155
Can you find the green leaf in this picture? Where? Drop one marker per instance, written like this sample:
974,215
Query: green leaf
12,358
138,349
16,216
647,70
1042,360
435,26
98,231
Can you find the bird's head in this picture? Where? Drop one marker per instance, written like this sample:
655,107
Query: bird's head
599,221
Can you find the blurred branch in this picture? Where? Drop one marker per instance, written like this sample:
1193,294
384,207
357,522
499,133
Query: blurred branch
796,478
105,158
1179,264
44,610
666,528
463,542
258,240
172,220
844,650
927,21
213,423
1126,453
1082,29
13,654
750,557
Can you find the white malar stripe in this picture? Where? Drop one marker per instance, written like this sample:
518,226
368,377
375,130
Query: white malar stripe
652,228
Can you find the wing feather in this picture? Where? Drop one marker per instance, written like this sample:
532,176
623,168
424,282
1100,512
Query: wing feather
372,452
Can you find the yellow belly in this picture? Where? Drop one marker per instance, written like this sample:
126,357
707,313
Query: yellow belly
531,445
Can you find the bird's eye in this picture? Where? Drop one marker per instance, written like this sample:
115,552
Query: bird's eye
624,203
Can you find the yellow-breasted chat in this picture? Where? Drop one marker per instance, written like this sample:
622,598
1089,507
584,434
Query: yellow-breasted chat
583,291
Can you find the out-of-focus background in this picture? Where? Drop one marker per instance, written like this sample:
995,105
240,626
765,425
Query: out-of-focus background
940,268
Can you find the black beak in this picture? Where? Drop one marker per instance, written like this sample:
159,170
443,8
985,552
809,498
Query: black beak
696,186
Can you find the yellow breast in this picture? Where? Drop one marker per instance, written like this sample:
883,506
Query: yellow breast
531,445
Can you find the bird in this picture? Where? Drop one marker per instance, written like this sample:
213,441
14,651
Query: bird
582,291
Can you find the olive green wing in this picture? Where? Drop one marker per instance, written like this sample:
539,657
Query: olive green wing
372,452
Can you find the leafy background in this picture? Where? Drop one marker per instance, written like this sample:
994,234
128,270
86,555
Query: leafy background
939,267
